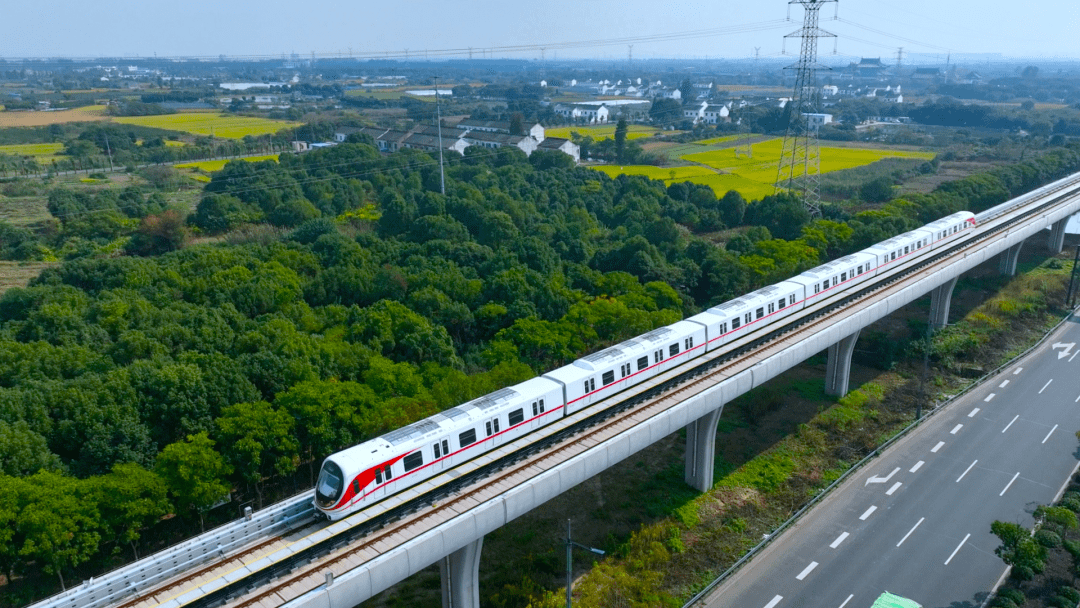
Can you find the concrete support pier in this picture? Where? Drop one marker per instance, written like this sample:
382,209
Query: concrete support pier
838,368
1007,262
1057,236
460,572
940,302
701,450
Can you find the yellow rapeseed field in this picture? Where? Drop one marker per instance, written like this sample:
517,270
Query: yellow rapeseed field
210,166
754,177
32,149
41,119
603,132
209,123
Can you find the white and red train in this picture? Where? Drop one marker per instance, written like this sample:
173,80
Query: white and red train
375,469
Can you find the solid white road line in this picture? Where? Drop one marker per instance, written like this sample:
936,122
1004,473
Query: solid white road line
1010,423
895,487
1003,384
1078,398
1045,385
1050,433
806,571
910,531
847,600
938,446
957,549
973,412
774,602
956,429
990,397
965,471
1009,484
1018,370
916,467
868,513
839,539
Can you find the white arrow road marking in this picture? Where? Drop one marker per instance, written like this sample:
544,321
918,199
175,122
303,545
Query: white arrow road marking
1066,349
881,479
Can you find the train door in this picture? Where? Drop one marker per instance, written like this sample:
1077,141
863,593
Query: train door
491,427
383,476
441,452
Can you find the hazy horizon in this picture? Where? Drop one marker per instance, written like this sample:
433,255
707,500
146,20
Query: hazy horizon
585,29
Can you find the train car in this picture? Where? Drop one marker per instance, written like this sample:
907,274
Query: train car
949,227
607,372
733,319
366,473
899,249
836,276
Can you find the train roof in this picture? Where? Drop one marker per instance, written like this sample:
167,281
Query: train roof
757,298
898,241
625,350
949,220
835,266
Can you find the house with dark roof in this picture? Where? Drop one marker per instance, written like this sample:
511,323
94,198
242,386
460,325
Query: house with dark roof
499,126
562,145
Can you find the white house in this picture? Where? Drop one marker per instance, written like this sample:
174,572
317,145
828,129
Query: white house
708,113
562,145
499,126
589,114
816,121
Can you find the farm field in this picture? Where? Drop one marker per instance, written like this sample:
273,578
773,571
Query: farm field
603,132
32,149
209,123
42,119
754,177
210,166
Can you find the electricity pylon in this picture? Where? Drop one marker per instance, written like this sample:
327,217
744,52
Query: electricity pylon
801,153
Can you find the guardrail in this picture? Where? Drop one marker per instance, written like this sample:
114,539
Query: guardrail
859,465
169,563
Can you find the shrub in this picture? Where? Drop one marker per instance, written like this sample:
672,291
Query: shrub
1015,595
1071,594
1060,602
1001,602
1071,504
1048,539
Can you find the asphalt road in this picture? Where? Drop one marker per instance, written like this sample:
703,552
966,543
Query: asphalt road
916,521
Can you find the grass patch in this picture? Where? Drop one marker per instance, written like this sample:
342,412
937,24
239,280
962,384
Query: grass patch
19,274
209,123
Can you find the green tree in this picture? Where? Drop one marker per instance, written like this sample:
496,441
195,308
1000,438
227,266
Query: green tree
877,190
1019,550
259,442
328,416
195,474
686,89
60,527
23,451
130,499
620,141
159,234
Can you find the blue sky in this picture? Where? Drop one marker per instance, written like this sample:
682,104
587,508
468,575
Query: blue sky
1037,28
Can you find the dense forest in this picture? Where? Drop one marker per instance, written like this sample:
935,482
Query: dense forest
348,296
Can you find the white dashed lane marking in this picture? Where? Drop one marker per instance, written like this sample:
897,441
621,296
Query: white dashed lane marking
1009,485
1050,433
1003,384
956,429
774,602
919,523
973,412
966,471
806,571
847,600
1010,423
1018,370
896,486
839,539
916,467
990,397
938,446
957,549
868,513
1045,385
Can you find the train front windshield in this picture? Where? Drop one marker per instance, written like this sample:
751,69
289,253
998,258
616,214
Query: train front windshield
331,481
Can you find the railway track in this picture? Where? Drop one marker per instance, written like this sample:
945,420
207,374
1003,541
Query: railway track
368,534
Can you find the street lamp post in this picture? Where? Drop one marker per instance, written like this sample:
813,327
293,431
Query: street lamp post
570,544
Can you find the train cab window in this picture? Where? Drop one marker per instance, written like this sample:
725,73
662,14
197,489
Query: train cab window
642,363
608,377
467,438
378,475
413,461
331,482
673,350
734,324
516,417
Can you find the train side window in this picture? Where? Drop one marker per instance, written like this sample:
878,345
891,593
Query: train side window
516,417
749,318
772,308
413,461
378,475
791,299
487,427
356,486
860,269
438,450
592,384
760,312
608,378
495,423
690,343
673,350
657,356
723,328
780,304
536,412
835,281
735,324
843,277
389,474
642,363
907,250
817,288
446,447
467,438
894,255
541,406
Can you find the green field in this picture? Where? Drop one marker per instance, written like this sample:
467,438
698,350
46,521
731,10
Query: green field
209,166
719,140
754,177
603,132
32,149
209,123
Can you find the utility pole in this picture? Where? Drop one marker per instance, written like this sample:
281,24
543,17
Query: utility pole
757,56
1070,297
801,157
899,60
570,544
109,151
630,54
438,123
